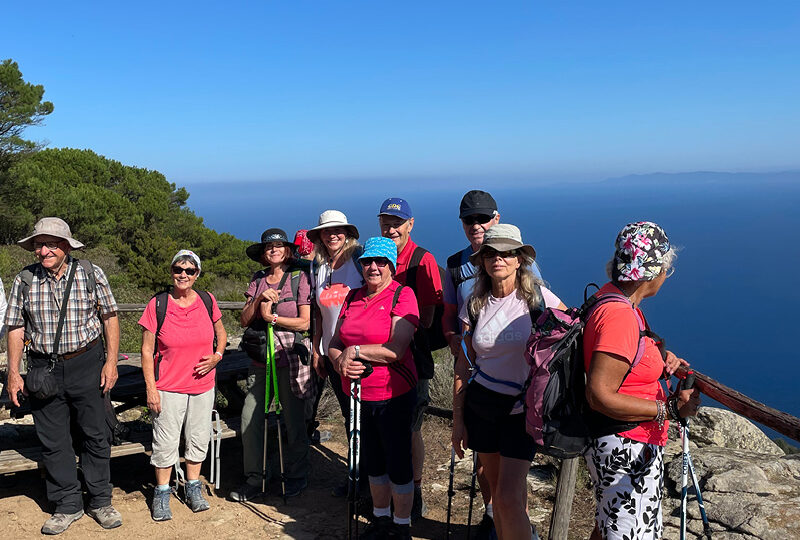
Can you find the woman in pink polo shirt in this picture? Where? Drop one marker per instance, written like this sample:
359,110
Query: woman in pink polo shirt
180,379
376,324
629,406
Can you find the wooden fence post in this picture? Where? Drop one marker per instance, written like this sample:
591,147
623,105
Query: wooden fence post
565,492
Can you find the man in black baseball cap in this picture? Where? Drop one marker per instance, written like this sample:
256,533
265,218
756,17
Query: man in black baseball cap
478,213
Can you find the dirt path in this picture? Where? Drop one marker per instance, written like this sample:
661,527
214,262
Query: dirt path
316,514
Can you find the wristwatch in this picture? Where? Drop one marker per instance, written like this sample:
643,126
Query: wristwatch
358,352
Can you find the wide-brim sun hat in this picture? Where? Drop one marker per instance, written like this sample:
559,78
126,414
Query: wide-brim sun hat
329,219
50,226
503,237
254,251
378,246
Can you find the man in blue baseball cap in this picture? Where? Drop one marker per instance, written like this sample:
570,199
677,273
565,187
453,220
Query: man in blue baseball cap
416,268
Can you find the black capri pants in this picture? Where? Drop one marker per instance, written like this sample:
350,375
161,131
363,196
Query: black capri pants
386,437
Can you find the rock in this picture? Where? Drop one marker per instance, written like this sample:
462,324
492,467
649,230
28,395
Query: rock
723,428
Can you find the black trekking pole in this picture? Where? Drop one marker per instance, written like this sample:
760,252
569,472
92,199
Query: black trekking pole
688,466
472,491
450,491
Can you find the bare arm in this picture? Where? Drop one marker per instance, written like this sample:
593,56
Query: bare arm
210,361
108,376
16,343
606,373
385,353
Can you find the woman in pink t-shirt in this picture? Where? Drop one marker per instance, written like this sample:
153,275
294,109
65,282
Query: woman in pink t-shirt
375,325
178,362
629,406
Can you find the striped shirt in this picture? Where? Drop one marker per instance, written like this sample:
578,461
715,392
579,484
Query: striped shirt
42,306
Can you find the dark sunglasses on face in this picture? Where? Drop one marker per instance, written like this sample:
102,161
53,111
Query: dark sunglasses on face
476,218
51,245
380,262
490,253
177,270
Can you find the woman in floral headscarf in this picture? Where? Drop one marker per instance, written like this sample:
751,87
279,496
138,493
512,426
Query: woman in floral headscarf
629,405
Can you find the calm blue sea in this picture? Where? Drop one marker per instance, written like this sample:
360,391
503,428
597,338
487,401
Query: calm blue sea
732,307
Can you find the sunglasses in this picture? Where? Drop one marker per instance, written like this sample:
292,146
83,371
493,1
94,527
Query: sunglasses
380,262
177,270
480,219
490,253
51,245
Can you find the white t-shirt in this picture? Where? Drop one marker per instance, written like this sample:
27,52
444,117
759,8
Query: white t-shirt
330,290
499,339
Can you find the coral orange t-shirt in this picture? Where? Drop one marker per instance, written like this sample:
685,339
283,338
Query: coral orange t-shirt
369,322
613,329
187,335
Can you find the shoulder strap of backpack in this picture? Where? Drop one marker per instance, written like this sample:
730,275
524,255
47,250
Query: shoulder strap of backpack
644,330
162,299
206,298
356,254
88,268
396,296
413,266
454,268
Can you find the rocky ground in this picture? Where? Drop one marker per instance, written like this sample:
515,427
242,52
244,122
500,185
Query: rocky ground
752,491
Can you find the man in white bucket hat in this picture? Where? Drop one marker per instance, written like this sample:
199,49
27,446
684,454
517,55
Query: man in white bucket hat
74,369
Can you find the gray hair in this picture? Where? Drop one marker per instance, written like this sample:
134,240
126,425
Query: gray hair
526,287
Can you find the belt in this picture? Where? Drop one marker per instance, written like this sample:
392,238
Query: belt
80,351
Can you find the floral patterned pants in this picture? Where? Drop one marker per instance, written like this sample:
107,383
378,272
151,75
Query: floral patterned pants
628,479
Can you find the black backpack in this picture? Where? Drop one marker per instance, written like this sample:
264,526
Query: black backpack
162,301
430,339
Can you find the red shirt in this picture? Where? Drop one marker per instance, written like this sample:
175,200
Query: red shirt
369,322
186,336
613,329
429,282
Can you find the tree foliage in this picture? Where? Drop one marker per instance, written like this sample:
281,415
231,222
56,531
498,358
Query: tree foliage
21,106
135,213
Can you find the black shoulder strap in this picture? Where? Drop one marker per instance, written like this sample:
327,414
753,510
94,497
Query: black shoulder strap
161,313
88,268
63,314
396,296
206,298
413,266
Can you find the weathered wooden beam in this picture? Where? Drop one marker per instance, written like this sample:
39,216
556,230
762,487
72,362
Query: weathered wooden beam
565,493
133,308
783,423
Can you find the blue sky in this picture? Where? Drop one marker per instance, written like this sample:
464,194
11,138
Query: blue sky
368,89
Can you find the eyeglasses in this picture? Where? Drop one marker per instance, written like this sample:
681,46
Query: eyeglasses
274,245
177,270
380,262
490,253
480,219
51,245
670,271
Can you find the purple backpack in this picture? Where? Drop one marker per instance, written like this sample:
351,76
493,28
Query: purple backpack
556,411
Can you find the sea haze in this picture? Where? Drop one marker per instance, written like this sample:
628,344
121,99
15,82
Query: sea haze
731,308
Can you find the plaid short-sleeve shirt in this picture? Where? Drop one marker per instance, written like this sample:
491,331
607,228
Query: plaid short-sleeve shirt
42,305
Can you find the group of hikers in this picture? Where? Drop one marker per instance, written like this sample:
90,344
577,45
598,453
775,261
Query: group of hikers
365,318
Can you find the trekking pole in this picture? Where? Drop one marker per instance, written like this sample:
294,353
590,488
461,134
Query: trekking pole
357,446
472,490
351,488
450,491
278,411
267,382
687,383
684,428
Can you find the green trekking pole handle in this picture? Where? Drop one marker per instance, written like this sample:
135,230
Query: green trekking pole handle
269,367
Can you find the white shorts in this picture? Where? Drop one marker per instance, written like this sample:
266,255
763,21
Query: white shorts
190,413
628,478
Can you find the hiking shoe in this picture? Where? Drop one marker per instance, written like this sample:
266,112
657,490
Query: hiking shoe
245,492
294,487
106,516
419,508
58,522
486,530
160,510
399,532
378,529
194,496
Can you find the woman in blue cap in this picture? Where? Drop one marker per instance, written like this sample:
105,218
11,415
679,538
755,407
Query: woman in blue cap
376,324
